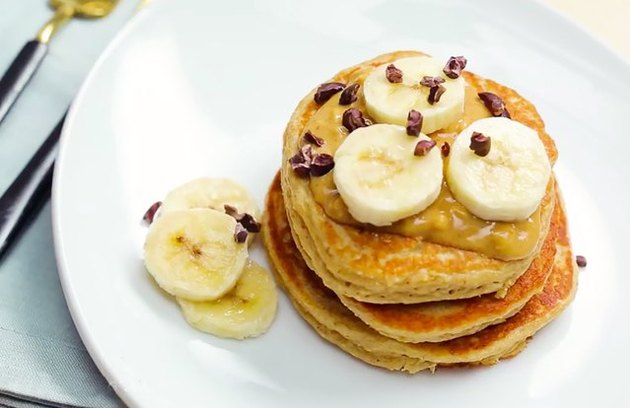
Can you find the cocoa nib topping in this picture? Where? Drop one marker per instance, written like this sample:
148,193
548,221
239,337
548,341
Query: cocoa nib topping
423,147
312,139
581,261
246,220
301,162
393,74
435,93
149,215
230,210
306,151
431,81
305,163
414,123
446,149
326,91
353,119
480,144
249,222
322,164
240,233
454,67
349,95
494,104
300,168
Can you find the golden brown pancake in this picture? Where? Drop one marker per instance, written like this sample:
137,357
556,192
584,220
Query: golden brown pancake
445,320
329,317
377,267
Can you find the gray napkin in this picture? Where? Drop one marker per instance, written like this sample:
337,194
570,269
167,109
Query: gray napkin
42,359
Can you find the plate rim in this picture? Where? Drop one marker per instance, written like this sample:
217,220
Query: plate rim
74,306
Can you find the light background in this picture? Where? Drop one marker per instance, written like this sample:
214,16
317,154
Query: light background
607,19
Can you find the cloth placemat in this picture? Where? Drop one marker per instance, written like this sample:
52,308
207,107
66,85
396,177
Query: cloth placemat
42,359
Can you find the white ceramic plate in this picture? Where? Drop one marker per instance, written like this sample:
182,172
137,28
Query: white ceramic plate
195,88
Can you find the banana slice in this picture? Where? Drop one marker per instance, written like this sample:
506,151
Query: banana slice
245,311
391,102
380,179
508,183
210,193
192,253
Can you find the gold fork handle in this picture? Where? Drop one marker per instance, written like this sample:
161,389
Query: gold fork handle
62,16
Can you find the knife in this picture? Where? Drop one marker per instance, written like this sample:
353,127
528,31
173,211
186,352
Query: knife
29,190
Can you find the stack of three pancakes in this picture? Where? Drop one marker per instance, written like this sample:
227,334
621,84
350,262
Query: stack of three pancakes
405,303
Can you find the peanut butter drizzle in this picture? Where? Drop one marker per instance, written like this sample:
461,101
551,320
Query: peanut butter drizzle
446,221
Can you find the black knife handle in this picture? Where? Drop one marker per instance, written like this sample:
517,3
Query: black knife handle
30,189
19,73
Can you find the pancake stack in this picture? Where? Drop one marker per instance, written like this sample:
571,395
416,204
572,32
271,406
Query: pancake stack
464,292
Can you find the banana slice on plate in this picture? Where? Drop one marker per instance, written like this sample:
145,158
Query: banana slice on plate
379,177
193,254
509,181
390,102
212,193
245,311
